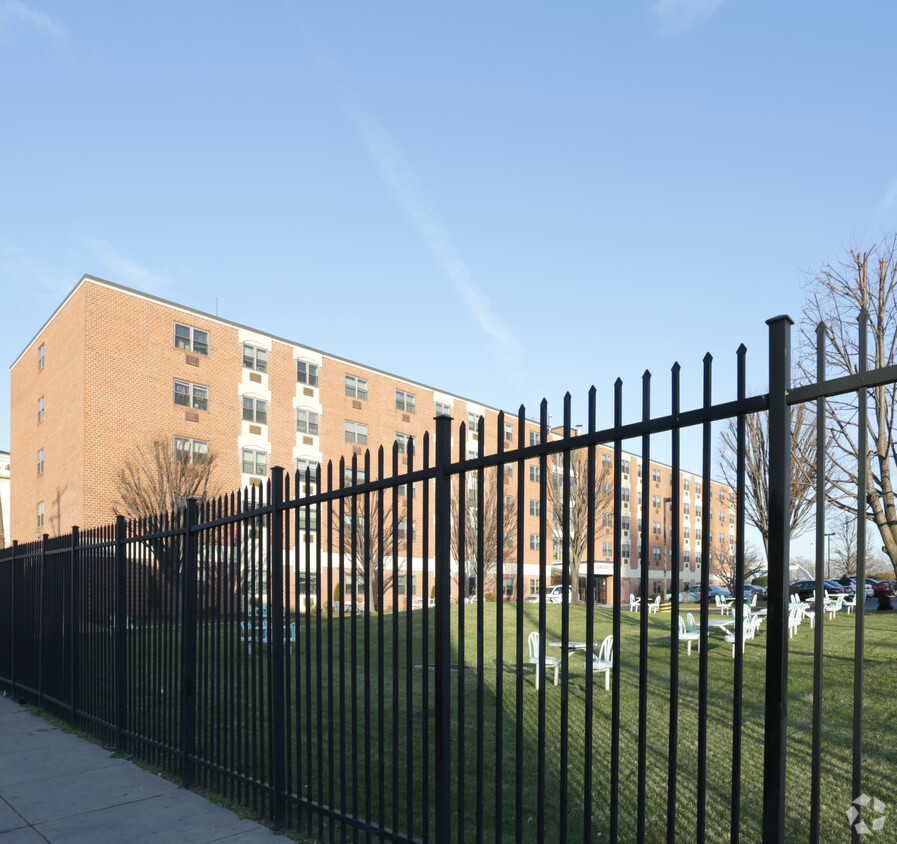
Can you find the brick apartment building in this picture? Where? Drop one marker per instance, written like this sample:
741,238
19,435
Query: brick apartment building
114,368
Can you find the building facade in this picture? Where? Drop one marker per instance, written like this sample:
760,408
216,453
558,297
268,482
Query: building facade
114,369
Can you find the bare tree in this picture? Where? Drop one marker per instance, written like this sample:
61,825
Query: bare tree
723,565
499,512
366,538
845,548
575,532
865,281
756,468
156,482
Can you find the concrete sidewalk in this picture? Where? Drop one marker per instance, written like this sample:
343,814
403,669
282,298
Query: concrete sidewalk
57,787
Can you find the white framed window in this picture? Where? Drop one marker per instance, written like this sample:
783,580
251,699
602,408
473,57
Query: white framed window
535,542
403,491
405,401
40,409
40,512
624,550
655,501
624,494
473,425
307,469
308,518
655,554
40,461
307,373
535,507
402,584
255,410
402,441
254,462
355,432
255,358
403,530
625,522
655,475
656,528
360,476
308,422
686,556
41,359
534,438
607,548
443,409
685,484
191,339
191,451
535,473
356,388
509,432
191,395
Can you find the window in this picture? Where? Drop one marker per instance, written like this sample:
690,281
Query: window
698,509
402,442
722,495
473,425
40,510
624,551
255,410
535,542
308,422
357,388
640,497
443,409
535,507
639,524
191,395
404,401
508,586
190,451
655,475
534,438
607,548
471,454
306,373
656,528
40,409
509,432
535,473
606,461
624,494
40,461
509,502
255,358
402,582
191,339
731,518
685,508
348,480
625,521
655,501
722,516
697,487
709,536
655,554
697,534
308,518
308,469
40,364
356,433
624,465
639,469
403,490
685,484
403,530
685,533
254,462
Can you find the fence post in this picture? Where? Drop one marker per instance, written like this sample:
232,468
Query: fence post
74,625
12,619
40,620
275,647
188,643
779,548
442,633
119,620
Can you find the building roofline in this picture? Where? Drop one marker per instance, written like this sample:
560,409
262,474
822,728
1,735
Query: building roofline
232,324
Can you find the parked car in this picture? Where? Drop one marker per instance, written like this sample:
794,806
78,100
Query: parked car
750,590
892,586
879,587
694,594
553,595
870,592
805,589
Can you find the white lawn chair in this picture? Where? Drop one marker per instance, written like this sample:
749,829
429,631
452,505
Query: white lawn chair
849,601
795,617
604,660
688,632
534,658
253,634
750,626
654,606
634,603
723,604
833,603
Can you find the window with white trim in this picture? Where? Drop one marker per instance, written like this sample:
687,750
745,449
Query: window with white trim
306,373
607,549
40,461
509,432
308,422
191,339
356,432
255,357
535,507
308,469
402,441
534,438
405,401
40,510
535,542
191,395
40,409
254,462
443,409
360,476
655,475
191,451
41,359
535,473
356,388
255,410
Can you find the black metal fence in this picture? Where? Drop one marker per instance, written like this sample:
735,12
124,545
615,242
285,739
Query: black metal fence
207,643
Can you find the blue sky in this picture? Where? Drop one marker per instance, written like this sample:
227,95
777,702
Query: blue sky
504,200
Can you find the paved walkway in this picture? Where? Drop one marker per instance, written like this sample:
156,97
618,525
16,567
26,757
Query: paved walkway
57,787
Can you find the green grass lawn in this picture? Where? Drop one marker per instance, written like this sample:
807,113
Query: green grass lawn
381,730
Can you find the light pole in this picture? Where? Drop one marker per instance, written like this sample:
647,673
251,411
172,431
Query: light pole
828,559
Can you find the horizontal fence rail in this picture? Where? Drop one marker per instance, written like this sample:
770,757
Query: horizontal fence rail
275,647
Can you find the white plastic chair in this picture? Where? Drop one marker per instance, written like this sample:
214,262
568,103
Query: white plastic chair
654,606
849,601
534,658
634,603
723,604
604,660
688,632
795,617
750,626
833,603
